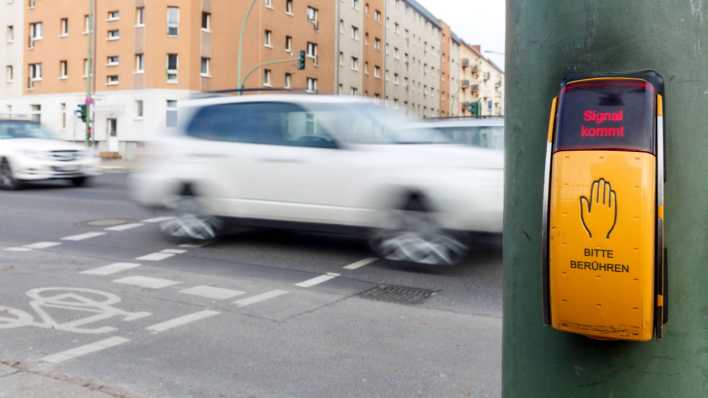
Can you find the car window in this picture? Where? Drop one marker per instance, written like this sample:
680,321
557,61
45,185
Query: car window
490,137
19,129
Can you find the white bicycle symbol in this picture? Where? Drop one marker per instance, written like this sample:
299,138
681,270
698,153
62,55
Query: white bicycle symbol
97,305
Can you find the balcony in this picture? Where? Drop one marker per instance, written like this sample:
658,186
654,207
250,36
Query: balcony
465,83
465,62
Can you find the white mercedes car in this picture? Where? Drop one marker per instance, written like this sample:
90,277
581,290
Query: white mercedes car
29,153
321,163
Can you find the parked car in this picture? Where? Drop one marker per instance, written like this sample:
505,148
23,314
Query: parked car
30,153
479,132
321,163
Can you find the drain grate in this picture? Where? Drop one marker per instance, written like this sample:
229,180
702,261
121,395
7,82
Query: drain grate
398,294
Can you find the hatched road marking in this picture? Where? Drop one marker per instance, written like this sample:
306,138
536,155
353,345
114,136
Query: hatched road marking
85,350
159,256
360,263
181,321
174,251
124,227
317,280
146,282
111,269
89,235
214,293
42,245
157,220
18,249
259,298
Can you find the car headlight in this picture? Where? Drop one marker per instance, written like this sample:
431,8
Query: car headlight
34,154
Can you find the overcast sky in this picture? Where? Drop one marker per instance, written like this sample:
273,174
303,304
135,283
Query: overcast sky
476,21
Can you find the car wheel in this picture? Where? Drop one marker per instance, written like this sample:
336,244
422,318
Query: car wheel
7,177
189,221
414,235
80,181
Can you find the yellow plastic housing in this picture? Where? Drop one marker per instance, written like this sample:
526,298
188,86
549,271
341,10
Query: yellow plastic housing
602,243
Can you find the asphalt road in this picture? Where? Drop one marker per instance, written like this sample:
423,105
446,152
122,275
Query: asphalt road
90,290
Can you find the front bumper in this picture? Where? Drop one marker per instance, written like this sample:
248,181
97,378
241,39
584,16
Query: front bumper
26,169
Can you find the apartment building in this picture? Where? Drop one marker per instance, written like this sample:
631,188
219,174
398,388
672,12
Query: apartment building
11,47
455,71
481,84
149,55
413,58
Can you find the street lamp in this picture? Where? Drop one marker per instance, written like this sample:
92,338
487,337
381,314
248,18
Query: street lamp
239,61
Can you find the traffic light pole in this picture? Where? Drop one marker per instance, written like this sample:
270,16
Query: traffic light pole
255,68
91,78
546,40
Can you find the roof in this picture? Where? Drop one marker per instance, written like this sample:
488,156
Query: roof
425,13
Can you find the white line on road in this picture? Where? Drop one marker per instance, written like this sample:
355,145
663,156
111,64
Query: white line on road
111,269
18,249
259,298
85,350
41,245
89,235
146,282
360,264
317,280
124,227
193,245
159,256
174,251
214,293
181,321
157,220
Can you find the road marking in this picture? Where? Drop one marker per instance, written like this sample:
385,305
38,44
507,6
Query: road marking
193,245
174,251
360,264
146,282
214,293
111,269
157,220
317,280
89,235
17,249
42,245
159,256
124,227
85,350
181,321
259,298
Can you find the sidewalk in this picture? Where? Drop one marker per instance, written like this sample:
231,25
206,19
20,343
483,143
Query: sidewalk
18,382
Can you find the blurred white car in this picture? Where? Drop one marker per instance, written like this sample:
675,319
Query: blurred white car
479,132
321,162
28,152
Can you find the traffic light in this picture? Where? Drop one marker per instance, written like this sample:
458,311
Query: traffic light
301,60
82,112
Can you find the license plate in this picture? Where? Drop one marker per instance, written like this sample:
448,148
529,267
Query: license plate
68,169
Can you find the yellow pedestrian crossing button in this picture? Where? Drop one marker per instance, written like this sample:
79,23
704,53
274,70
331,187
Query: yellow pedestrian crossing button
604,268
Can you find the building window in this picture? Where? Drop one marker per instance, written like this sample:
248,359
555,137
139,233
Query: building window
87,67
355,33
172,68
341,58
140,16
377,43
35,33
377,16
205,69
139,63
288,43
355,63
112,80
267,38
341,26
269,3
139,109
396,80
288,81
10,34
64,27
206,21
9,73
35,72
312,50
113,34
355,4
171,113
36,112
354,91
32,3
267,73
312,14
366,68
87,24
289,7
377,71
113,15
366,38
112,127
172,21
63,69
311,85
112,60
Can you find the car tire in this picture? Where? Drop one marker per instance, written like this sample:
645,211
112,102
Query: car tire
188,221
7,177
80,181
413,235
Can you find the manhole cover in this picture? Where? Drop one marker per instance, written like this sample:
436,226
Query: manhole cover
108,222
398,294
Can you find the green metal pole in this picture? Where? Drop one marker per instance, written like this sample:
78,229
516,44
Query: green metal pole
545,40
255,68
242,34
